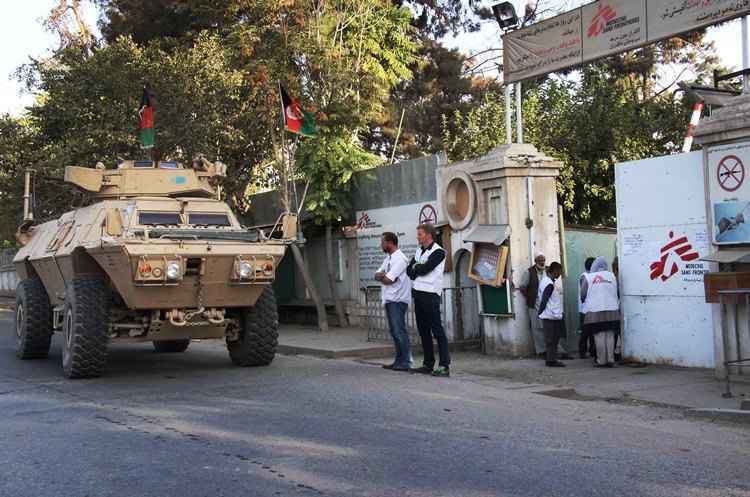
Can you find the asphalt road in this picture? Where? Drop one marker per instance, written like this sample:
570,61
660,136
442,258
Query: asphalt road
190,424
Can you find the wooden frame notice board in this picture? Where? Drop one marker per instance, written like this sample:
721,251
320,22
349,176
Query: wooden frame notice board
488,263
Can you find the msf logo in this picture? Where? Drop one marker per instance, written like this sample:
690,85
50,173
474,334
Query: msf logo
604,14
364,220
671,253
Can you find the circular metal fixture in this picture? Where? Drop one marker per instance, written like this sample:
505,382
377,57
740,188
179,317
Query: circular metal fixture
459,200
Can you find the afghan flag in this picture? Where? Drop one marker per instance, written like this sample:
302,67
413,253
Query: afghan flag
296,119
146,111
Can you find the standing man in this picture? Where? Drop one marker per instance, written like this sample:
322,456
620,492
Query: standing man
426,272
586,341
530,289
395,292
551,313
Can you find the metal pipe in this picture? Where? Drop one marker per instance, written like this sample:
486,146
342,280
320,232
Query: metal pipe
508,115
519,115
745,56
27,214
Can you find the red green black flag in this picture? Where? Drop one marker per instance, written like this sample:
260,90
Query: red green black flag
146,112
296,119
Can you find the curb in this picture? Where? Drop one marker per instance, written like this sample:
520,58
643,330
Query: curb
733,415
363,353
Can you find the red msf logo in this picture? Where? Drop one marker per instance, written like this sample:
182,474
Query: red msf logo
666,267
604,14
363,220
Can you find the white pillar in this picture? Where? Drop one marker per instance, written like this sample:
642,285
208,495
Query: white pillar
508,115
519,114
745,56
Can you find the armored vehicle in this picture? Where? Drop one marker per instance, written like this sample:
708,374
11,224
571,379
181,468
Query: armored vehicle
156,258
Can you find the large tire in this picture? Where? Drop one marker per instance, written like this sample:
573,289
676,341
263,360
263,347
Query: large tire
170,346
258,334
85,327
33,320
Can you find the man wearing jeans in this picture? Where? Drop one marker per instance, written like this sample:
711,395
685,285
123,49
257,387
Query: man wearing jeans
426,272
396,290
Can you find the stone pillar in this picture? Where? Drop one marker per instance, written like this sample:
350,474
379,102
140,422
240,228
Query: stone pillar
727,126
513,185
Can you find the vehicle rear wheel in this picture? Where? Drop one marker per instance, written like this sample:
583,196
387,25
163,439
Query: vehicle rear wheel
258,334
85,327
169,346
33,320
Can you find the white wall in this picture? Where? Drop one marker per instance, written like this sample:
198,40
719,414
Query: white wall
665,319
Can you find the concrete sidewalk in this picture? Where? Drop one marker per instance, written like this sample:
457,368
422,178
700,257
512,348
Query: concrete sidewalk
696,391
333,344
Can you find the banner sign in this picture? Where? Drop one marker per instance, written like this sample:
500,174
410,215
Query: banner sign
544,47
606,27
401,220
612,27
729,193
667,18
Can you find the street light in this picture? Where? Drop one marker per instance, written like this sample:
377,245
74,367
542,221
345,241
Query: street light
507,19
505,14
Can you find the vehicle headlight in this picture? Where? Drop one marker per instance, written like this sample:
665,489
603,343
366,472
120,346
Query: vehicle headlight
174,270
245,270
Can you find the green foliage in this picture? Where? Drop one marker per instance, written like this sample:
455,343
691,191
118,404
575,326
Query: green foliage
328,162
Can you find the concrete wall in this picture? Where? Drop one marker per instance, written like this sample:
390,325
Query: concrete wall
665,316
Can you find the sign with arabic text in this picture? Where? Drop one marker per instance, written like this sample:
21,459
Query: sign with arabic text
606,27
543,47
667,18
612,27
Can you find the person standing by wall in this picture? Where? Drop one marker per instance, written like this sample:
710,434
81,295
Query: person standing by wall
426,272
529,288
551,313
396,295
586,345
599,292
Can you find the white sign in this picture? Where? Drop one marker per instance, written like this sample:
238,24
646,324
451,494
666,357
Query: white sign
662,226
667,18
543,47
401,220
729,193
606,27
664,261
612,27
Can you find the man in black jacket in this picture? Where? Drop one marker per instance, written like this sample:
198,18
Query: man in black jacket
426,272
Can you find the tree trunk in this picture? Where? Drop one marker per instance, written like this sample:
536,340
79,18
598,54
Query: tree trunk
332,277
321,308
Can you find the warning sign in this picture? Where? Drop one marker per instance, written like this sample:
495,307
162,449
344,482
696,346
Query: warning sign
427,215
729,193
731,173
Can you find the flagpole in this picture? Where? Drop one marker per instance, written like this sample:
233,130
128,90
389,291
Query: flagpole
284,151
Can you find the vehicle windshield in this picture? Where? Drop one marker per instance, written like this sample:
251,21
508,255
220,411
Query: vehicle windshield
159,218
205,219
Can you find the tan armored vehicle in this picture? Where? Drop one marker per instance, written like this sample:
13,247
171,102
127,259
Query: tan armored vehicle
157,258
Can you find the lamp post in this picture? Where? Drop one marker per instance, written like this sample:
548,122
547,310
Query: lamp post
507,19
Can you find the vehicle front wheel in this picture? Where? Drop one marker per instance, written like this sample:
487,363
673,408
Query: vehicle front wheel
170,346
33,320
85,327
258,333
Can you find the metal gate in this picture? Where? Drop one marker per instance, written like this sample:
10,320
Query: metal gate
454,298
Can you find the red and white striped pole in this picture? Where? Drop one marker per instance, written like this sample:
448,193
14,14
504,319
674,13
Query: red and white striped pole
697,109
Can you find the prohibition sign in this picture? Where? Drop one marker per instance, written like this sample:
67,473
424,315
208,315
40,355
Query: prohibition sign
730,173
427,215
